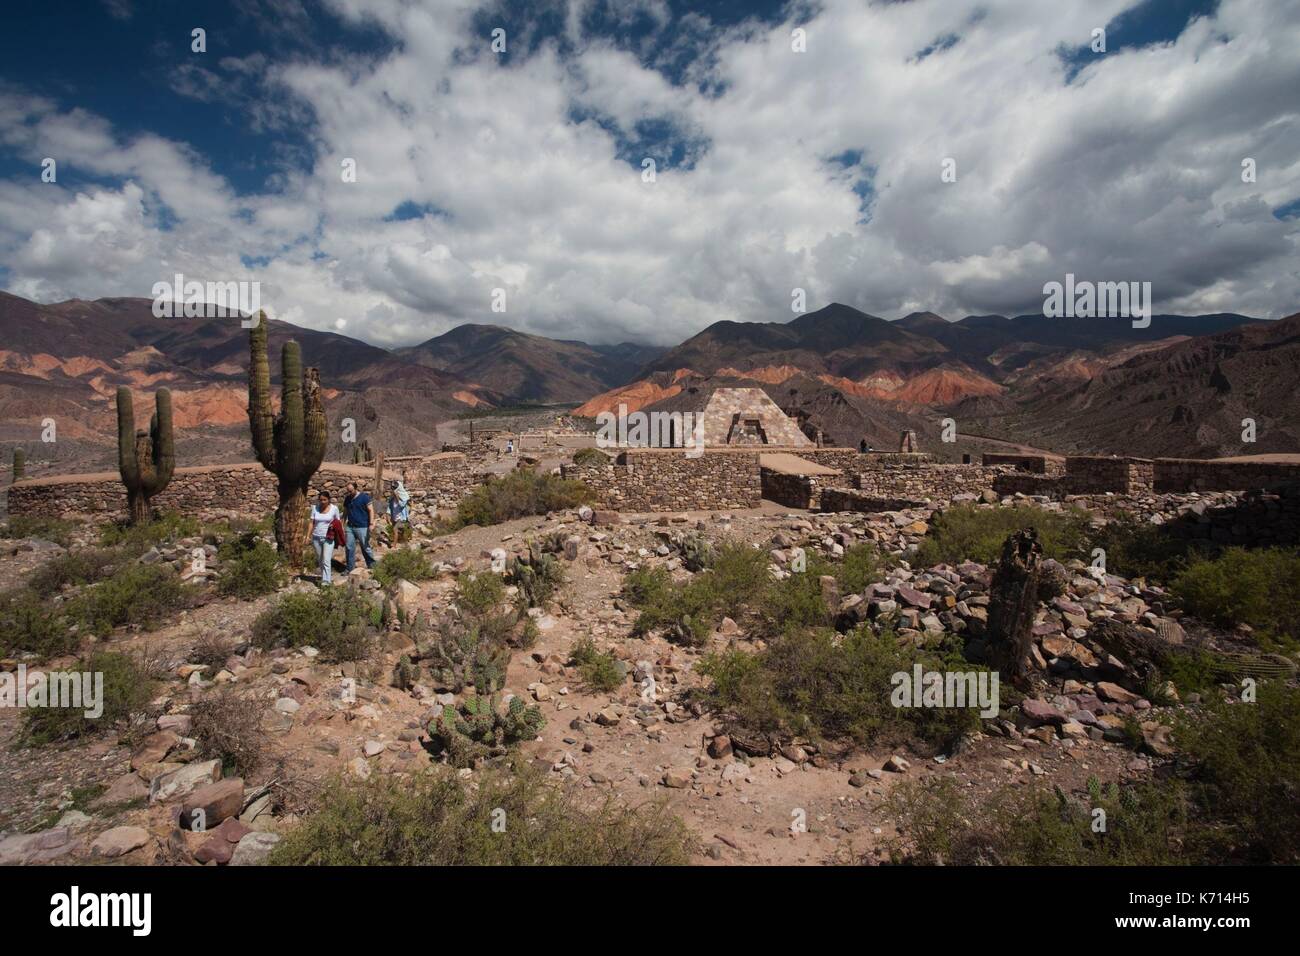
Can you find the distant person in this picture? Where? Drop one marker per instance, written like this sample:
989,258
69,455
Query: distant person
359,512
510,446
863,447
399,511
326,531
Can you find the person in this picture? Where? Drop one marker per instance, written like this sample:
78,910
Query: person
510,446
324,516
399,510
359,513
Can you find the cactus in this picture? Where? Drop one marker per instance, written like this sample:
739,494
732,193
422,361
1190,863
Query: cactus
20,463
537,574
697,552
290,445
479,731
459,653
145,459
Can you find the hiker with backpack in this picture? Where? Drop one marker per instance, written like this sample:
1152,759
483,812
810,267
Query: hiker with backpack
399,511
359,515
326,533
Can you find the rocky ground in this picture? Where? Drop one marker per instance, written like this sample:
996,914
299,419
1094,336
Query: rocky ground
119,797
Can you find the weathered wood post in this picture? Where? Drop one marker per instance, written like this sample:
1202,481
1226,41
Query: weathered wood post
1013,602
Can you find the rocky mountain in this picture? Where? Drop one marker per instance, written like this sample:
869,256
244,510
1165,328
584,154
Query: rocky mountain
1189,398
528,368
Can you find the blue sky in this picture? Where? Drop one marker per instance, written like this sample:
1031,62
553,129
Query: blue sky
776,168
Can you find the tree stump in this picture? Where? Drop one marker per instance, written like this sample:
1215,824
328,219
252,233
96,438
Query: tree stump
1013,602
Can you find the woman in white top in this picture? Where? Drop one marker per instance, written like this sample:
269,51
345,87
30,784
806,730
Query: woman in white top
323,514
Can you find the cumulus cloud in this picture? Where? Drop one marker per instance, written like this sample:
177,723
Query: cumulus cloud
774,170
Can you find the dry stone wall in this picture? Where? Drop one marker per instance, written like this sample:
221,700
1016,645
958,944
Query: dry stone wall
666,479
1185,474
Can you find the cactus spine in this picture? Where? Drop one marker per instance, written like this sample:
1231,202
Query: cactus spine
20,463
145,459
290,445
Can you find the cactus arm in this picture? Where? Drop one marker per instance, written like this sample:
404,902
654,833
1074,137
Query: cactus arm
162,449
291,437
314,424
261,421
126,459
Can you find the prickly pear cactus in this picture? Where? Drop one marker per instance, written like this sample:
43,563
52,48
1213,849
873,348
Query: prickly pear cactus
478,730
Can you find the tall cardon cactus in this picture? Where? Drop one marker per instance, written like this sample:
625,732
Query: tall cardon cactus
290,445
145,459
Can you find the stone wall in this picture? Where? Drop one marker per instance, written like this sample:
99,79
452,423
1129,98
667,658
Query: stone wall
1024,483
1185,474
919,482
665,479
204,492
1034,464
1093,474
849,499
795,491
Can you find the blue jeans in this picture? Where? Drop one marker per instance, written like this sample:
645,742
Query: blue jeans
324,555
358,536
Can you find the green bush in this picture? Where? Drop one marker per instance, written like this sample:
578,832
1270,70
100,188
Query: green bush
408,563
1139,549
819,684
521,493
84,566
688,612
128,687
860,568
436,820
478,594
46,529
590,456
338,622
138,538
970,533
599,669
136,594
1246,772
250,568
1260,588
30,622
941,824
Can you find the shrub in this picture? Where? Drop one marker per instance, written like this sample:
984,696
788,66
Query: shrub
227,727
861,567
1139,549
138,538
128,687
73,568
250,568
793,603
521,493
211,650
599,669
590,456
29,622
46,529
1260,588
338,622
435,820
408,563
479,593
1246,772
819,684
688,612
970,533
136,594
939,824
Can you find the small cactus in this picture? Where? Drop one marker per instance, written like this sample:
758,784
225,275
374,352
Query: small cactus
537,574
144,459
480,731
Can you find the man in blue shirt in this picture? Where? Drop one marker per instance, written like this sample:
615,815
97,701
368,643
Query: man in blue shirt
358,514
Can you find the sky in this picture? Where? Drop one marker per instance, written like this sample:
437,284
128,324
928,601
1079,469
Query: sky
798,145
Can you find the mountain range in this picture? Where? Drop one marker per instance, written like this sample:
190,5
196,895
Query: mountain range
1181,386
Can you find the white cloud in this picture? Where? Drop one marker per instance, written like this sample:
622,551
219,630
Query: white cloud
1129,171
